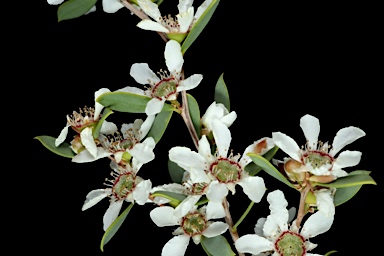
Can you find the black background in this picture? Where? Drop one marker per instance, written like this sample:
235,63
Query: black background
280,62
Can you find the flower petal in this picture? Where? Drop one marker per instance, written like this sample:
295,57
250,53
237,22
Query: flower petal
163,216
253,187
98,106
184,5
150,8
108,127
62,136
190,83
151,25
215,210
176,246
146,126
344,137
186,158
173,57
112,212
94,197
287,144
88,141
131,89
316,224
215,229
311,128
112,6
143,151
253,244
154,106
222,137
347,159
85,157
55,2
324,202
201,9
217,191
186,205
143,74
185,19
141,192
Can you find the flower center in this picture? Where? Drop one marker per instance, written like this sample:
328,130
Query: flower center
317,159
123,185
194,223
290,244
226,170
165,88
198,188
82,119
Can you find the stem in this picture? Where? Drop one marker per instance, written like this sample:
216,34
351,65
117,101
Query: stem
301,212
187,119
228,219
142,16
243,216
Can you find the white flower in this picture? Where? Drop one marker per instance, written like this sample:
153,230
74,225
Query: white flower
83,123
125,186
220,112
176,28
112,6
320,158
123,147
220,172
192,224
167,86
277,237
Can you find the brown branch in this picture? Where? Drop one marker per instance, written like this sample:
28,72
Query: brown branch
228,220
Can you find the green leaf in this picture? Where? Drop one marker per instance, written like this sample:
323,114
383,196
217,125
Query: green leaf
342,195
62,150
330,252
348,181
159,125
127,102
221,93
269,168
253,168
111,231
74,8
175,198
175,171
199,26
216,246
97,128
194,112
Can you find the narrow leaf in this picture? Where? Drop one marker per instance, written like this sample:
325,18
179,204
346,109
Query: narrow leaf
175,198
159,125
126,102
111,231
199,26
349,181
194,112
175,171
269,168
216,246
254,169
63,149
74,8
342,195
97,128
221,92
330,252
